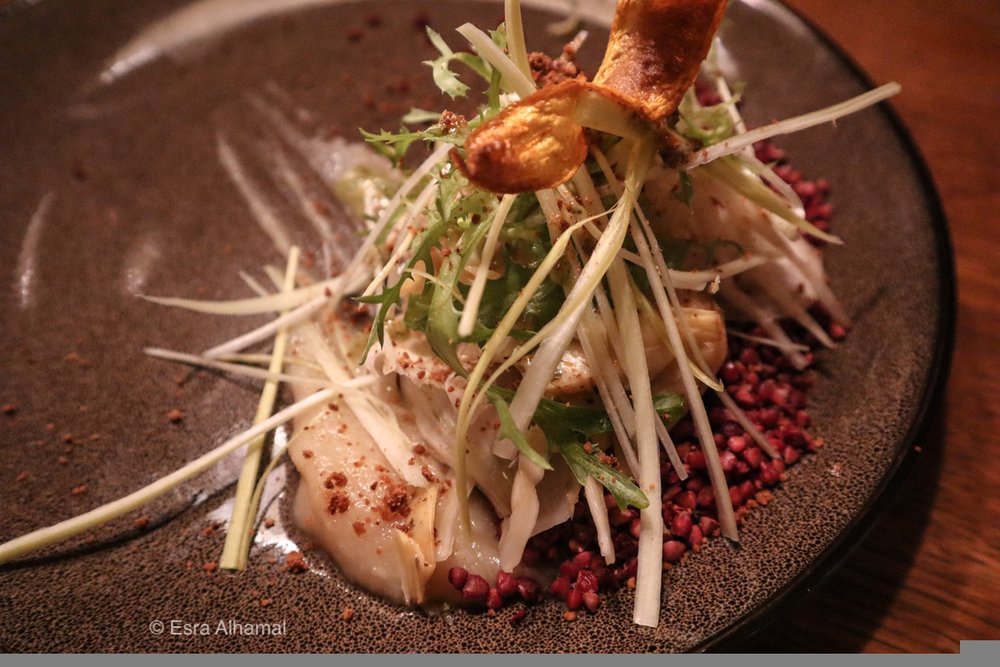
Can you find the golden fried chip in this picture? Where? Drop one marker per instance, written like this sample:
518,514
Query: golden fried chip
656,48
653,56
533,144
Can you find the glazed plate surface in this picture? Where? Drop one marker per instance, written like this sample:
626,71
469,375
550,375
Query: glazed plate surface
112,187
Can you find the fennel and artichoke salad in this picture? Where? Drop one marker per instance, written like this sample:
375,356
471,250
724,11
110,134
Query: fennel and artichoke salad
532,310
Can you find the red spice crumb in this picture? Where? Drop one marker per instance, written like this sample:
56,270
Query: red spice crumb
141,522
419,449
355,34
630,583
80,489
210,566
50,427
428,474
9,408
491,612
518,616
359,528
589,448
307,453
398,503
209,530
67,438
336,478
569,615
21,476
347,614
295,562
339,502
94,437
175,416
188,564
265,602
268,522
764,497
62,460
73,357
311,545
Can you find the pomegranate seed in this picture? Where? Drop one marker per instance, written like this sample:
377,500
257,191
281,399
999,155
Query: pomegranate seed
493,599
586,581
475,588
574,599
753,456
695,460
708,525
681,525
736,444
559,588
673,551
527,589
687,500
506,583
457,577
569,570
706,498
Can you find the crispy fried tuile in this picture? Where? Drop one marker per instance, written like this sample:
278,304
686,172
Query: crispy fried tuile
656,48
653,56
533,144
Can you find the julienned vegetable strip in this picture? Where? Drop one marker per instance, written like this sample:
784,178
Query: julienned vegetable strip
265,331
515,36
811,119
236,549
650,564
585,186
519,82
63,530
471,311
471,400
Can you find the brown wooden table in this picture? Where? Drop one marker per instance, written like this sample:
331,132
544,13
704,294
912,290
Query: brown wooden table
928,574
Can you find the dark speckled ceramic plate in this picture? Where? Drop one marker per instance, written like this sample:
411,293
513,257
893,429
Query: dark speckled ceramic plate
112,187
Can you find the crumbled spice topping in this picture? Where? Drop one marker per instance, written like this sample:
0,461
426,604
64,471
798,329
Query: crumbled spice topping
339,502
295,562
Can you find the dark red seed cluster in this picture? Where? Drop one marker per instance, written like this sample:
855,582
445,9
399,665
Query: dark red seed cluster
773,395
812,193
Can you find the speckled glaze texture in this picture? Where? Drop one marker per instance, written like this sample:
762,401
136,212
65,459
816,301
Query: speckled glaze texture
140,204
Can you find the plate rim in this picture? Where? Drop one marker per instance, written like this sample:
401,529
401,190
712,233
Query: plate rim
905,458
902,467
